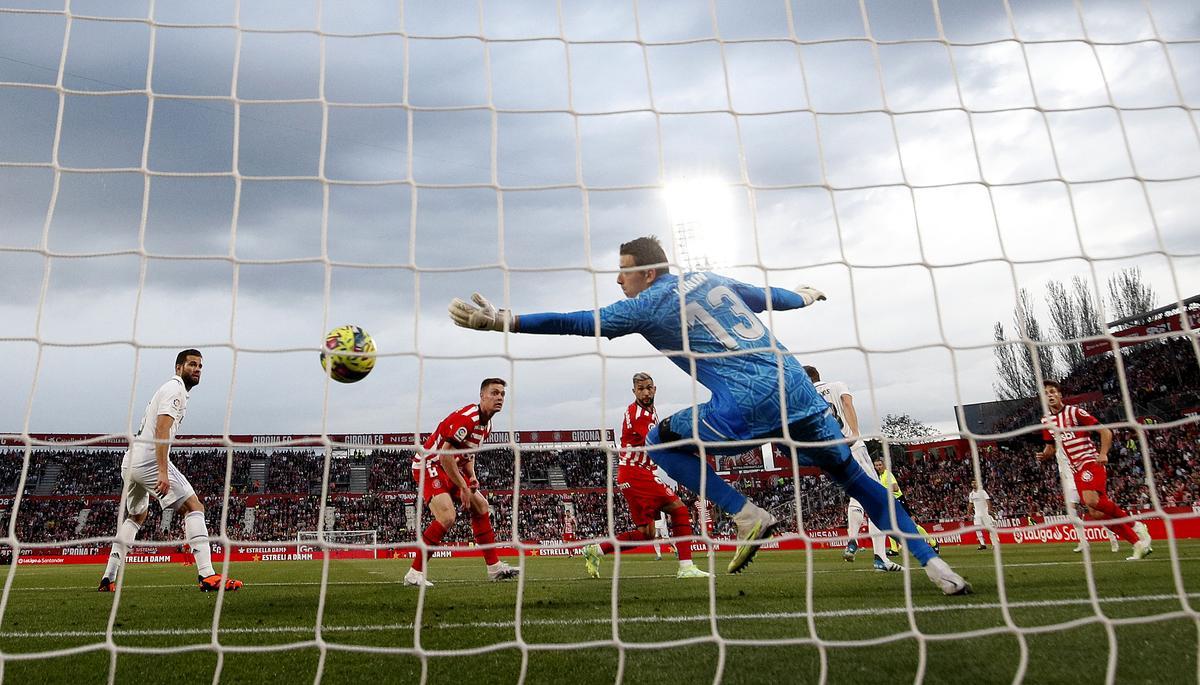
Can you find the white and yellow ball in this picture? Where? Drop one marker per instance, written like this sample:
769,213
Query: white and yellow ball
349,354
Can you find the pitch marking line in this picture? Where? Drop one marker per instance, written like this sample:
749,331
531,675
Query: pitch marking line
692,618
646,576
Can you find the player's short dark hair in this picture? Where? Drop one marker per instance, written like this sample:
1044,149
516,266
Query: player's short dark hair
641,376
813,374
1052,384
647,251
491,381
182,356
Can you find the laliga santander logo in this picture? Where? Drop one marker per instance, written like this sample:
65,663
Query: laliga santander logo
1055,534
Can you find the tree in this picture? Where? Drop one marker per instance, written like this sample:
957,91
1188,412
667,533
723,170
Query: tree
1064,324
1128,294
1012,382
1014,364
904,427
1029,328
1090,324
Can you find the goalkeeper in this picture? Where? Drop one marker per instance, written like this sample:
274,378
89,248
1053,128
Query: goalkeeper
755,384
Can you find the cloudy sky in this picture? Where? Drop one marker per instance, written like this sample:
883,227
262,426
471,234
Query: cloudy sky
241,177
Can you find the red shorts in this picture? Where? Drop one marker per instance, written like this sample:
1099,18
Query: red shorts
436,482
645,494
1091,476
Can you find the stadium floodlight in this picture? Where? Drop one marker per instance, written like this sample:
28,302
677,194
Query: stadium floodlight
701,213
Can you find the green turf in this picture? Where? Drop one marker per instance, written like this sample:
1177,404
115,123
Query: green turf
764,628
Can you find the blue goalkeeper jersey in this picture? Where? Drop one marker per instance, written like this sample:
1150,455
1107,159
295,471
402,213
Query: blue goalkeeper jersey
730,344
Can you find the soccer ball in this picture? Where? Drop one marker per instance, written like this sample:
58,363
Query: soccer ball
343,357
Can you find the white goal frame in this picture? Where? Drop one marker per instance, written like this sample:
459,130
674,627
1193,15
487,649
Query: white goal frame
325,537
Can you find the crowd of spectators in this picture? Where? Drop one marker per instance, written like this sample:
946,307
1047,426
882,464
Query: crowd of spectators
1163,378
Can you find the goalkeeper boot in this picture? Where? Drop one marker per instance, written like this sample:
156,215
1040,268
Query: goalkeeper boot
1141,550
886,566
753,523
945,578
213,583
106,585
416,578
850,551
691,571
591,560
502,571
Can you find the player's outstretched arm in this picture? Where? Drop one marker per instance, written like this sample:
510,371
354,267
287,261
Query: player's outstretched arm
782,299
617,319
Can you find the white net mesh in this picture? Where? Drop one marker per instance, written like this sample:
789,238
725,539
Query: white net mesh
243,177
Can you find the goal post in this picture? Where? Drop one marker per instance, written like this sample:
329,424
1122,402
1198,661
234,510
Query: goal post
349,538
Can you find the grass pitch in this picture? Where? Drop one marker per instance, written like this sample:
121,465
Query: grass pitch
764,626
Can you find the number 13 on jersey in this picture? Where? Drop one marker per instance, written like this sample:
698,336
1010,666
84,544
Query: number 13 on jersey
739,322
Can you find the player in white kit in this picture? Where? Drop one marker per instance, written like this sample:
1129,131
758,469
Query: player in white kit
146,471
1071,494
842,403
979,503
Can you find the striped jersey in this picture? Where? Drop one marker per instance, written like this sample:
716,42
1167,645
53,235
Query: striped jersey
1077,446
637,424
458,431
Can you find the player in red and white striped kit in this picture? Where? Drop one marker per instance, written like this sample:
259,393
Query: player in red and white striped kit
1088,465
447,465
645,493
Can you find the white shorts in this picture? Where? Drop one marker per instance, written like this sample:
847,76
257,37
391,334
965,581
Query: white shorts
139,485
1070,494
986,521
860,454
660,527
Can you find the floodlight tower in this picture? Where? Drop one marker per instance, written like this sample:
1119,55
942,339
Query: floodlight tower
701,221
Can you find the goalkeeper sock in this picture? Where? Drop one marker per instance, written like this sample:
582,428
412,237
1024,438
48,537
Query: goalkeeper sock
634,535
485,537
1110,509
681,526
126,534
432,536
854,518
196,532
684,468
876,501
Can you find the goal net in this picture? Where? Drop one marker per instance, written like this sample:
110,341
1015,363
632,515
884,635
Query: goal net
991,194
359,538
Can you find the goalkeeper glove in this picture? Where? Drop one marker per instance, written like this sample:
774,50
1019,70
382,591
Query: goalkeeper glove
481,316
809,294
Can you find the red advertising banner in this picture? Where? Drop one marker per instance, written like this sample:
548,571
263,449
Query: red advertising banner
1185,524
1167,324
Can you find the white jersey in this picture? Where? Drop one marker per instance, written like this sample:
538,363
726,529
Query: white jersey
979,500
668,481
1066,477
833,391
170,400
